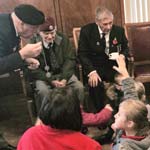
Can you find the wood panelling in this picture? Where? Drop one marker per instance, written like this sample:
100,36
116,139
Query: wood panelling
69,13
76,13
47,6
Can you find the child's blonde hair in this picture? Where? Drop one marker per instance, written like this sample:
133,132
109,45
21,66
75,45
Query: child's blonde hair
139,87
136,111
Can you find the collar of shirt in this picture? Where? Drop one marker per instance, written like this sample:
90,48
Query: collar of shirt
46,45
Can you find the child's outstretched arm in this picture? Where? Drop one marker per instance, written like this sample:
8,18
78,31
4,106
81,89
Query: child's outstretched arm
127,82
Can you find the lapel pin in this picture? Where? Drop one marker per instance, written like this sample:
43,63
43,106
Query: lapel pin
97,43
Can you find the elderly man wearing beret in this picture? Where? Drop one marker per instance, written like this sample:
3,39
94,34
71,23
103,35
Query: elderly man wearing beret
23,22
57,62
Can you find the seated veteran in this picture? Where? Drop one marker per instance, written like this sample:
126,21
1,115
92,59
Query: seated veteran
100,43
57,62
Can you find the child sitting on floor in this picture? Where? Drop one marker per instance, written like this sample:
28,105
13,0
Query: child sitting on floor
141,95
132,120
60,125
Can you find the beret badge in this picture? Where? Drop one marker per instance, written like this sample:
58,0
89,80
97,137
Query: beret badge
51,27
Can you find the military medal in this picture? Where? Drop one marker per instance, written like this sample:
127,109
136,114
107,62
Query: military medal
46,68
48,74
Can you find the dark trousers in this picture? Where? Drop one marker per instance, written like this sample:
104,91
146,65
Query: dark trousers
97,96
98,93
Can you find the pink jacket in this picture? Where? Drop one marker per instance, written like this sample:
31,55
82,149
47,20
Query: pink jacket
100,118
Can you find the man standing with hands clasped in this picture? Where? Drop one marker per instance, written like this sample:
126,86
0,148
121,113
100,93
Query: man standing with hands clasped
23,22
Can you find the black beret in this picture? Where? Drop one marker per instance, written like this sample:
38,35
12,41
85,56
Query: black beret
29,14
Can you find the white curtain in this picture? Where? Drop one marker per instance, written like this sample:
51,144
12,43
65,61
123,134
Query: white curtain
137,11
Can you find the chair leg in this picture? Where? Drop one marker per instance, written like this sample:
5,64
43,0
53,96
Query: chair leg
30,110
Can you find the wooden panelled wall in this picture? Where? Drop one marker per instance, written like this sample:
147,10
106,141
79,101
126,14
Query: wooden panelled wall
69,13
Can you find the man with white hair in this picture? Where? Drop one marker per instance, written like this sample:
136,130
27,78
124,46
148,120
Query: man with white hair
99,45
57,62
23,22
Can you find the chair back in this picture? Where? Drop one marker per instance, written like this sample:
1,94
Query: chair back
76,34
138,35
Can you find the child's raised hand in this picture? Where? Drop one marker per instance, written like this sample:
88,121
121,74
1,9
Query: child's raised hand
121,69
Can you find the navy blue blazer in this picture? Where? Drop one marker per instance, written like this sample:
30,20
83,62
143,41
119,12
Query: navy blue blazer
91,52
10,59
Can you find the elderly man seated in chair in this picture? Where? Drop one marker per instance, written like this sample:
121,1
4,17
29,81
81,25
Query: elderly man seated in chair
100,43
57,62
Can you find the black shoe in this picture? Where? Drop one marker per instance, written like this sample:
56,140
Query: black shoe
102,127
105,138
84,130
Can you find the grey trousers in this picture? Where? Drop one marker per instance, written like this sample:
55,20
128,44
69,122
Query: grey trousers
43,89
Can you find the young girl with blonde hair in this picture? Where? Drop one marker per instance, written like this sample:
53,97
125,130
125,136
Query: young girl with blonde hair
132,120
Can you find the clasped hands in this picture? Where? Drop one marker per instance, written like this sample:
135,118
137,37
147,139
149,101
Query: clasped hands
57,83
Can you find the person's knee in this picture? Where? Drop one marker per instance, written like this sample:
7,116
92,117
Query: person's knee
39,97
42,88
80,89
79,86
43,92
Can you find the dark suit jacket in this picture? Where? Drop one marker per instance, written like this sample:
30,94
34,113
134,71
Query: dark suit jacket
10,59
91,52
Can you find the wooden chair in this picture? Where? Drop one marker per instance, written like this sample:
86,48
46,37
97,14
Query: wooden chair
28,90
138,35
14,83
76,34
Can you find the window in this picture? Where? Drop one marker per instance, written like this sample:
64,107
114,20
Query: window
137,11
